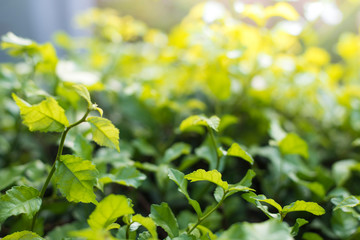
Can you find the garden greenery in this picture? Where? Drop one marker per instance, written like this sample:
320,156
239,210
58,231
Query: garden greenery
231,126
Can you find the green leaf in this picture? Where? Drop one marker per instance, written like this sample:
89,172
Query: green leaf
271,202
311,236
344,224
104,132
128,176
144,147
236,151
185,236
147,222
234,188
276,131
269,230
219,193
82,147
299,222
211,176
76,178
206,233
206,151
247,180
47,116
62,231
164,217
23,235
196,120
253,198
176,151
65,91
123,231
350,201
42,56
91,234
19,200
314,187
83,92
341,171
226,121
145,236
178,178
356,142
10,175
300,205
108,211
293,144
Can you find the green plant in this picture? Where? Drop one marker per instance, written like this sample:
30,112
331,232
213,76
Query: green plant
74,176
282,130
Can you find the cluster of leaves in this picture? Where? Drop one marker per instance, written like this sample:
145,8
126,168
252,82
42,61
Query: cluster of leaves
260,83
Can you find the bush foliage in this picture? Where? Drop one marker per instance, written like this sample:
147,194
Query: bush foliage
232,126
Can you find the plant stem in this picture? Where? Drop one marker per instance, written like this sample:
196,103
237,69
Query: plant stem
127,231
212,138
213,142
282,216
207,214
53,168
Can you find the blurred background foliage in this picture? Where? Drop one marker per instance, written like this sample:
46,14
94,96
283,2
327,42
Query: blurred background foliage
266,69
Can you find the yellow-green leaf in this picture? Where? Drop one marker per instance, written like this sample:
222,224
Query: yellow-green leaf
300,205
90,234
104,132
311,236
47,116
99,110
293,144
255,199
11,38
83,92
211,176
23,235
272,203
17,45
218,81
196,120
236,151
206,232
148,223
76,178
108,211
